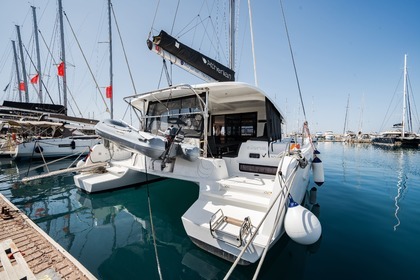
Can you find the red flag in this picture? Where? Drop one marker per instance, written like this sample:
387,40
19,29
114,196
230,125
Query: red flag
109,92
34,79
60,69
22,86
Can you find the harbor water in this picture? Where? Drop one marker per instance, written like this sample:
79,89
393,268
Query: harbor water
368,208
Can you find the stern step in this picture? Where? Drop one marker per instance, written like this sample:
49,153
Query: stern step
228,229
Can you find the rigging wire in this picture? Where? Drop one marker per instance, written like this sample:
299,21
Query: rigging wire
45,87
169,75
408,113
154,18
33,64
151,221
175,15
293,59
416,116
387,114
239,58
125,53
289,178
84,57
184,31
53,60
217,48
5,57
8,88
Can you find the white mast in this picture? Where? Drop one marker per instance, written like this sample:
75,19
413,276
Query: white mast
404,96
345,118
252,43
232,35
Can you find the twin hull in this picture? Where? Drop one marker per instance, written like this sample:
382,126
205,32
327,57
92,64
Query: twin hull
224,187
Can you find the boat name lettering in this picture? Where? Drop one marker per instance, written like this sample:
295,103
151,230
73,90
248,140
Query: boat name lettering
217,69
256,148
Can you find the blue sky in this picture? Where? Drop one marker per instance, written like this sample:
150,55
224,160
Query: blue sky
343,50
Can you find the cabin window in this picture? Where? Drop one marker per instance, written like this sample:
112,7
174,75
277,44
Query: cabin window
241,127
234,128
185,112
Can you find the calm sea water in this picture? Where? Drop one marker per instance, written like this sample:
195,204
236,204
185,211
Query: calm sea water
369,211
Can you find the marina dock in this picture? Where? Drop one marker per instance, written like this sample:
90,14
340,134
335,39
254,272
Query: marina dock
27,251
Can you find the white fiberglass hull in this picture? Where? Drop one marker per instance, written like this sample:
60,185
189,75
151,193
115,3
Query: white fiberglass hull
223,187
55,147
119,174
115,177
239,198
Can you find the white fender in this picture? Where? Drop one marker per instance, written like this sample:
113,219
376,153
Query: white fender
318,171
301,225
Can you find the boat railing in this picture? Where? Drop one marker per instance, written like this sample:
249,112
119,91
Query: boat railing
172,114
283,195
159,91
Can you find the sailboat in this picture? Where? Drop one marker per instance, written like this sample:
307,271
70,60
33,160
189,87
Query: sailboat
400,136
250,182
348,135
41,130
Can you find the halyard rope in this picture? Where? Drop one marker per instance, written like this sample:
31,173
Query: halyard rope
151,221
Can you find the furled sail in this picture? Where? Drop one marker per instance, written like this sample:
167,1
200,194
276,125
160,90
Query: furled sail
186,57
42,107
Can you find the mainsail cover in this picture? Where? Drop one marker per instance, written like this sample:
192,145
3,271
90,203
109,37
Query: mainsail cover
41,107
197,60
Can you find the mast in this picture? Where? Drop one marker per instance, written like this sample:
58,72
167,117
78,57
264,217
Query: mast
404,96
17,69
361,113
25,80
345,118
38,57
63,54
110,60
252,43
232,36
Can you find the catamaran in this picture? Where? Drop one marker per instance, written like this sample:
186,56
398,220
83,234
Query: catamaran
226,137
245,182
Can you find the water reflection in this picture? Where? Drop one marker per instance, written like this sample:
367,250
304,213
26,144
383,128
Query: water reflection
111,235
286,257
15,171
399,160
110,227
401,186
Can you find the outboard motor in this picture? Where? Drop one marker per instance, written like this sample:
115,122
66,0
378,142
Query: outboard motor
173,138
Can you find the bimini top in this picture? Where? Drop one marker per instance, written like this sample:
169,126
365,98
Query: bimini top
218,98
223,96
